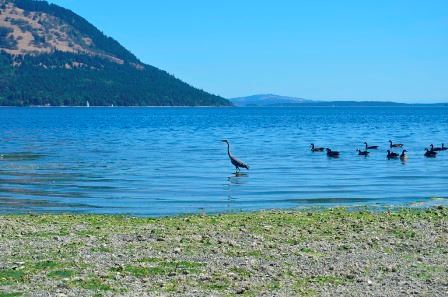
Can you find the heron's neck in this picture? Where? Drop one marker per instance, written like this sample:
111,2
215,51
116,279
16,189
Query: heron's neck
228,149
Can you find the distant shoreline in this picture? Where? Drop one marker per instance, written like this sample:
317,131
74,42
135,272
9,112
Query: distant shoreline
117,106
398,105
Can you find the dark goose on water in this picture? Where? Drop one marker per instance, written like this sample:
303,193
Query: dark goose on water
391,155
436,149
316,149
403,155
392,145
372,147
332,154
430,154
363,153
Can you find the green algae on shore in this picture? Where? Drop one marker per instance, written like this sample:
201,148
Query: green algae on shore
275,253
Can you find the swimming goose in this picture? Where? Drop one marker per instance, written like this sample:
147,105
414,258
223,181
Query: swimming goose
373,147
316,149
444,148
391,155
392,145
436,149
332,154
403,155
363,153
430,154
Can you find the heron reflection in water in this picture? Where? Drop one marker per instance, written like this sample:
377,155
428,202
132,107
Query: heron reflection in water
237,178
236,184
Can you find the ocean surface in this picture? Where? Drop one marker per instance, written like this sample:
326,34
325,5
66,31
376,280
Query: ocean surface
166,161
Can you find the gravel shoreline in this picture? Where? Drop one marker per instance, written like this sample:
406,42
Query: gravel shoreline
276,253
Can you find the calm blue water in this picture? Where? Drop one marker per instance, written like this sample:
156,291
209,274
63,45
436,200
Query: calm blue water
163,161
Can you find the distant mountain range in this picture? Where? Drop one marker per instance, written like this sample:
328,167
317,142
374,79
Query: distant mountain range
267,100
51,56
271,100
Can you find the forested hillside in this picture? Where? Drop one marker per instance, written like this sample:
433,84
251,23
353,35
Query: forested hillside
51,56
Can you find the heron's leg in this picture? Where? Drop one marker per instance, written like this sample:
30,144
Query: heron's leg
237,169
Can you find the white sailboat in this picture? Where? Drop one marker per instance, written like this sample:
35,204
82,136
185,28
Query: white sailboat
87,104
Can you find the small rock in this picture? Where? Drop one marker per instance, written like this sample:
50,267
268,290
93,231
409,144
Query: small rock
197,237
204,278
61,285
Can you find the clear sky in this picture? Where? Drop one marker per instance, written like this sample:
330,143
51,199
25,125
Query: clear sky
316,49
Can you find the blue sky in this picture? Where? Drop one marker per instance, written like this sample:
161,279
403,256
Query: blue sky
316,49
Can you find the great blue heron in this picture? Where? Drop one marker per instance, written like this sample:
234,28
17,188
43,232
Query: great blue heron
237,163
